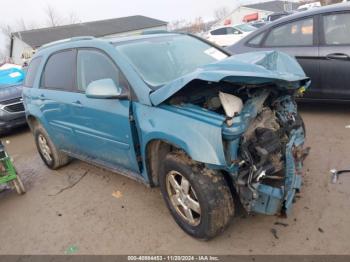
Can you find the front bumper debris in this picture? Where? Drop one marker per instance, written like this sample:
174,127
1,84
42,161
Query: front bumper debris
272,200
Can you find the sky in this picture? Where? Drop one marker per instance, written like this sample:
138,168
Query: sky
33,12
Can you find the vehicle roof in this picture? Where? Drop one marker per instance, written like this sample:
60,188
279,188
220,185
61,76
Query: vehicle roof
74,41
313,11
140,37
295,16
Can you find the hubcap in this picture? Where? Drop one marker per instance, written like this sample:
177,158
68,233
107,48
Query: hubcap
183,197
44,148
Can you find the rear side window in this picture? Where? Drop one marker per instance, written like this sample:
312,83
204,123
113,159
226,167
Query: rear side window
32,71
59,71
298,33
337,29
232,31
220,31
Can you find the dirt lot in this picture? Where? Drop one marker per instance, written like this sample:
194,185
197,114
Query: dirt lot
53,218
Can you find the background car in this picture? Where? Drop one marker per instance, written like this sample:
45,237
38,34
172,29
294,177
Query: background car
320,41
11,106
278,15
258,24
228,35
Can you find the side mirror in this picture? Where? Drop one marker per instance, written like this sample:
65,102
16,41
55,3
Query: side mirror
105,89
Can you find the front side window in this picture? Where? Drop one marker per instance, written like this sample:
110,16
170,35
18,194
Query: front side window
32,71
298,33
220,31
337,29
59,72
94,65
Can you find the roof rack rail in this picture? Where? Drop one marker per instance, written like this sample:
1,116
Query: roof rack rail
72,39
153,32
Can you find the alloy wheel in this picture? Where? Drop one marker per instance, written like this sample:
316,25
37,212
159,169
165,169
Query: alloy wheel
183,198
44,148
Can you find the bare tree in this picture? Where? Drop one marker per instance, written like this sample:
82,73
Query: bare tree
330,2
73,18
197,25
221,13
8,30
53,18
177,24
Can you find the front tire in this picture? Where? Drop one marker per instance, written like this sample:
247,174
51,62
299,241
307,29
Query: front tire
198,198
52,157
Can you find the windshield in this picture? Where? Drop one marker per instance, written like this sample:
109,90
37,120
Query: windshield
245,27
162,59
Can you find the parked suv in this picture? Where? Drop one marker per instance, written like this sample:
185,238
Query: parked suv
173,110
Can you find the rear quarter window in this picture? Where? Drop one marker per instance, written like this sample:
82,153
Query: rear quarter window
337,29
32,72
255,41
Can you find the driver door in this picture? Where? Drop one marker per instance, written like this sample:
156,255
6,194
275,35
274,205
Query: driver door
102,127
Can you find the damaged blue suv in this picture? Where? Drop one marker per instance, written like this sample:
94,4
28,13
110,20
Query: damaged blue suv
174,111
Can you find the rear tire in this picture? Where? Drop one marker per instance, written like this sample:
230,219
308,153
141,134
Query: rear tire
52,157
207,208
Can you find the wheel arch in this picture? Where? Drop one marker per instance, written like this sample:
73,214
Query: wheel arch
32,121
155,151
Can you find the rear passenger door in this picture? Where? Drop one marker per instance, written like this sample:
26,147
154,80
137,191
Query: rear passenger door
55,98
299,38
103,128
335,55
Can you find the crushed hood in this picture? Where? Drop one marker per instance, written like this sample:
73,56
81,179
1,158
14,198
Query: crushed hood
266,67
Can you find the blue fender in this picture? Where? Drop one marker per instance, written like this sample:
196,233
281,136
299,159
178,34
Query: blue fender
188,128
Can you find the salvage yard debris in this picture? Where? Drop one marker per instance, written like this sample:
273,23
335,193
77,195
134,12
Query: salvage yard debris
274,233
71,250
117,194
281,224
335,174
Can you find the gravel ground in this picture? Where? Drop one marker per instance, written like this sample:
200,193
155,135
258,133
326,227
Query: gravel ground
85,210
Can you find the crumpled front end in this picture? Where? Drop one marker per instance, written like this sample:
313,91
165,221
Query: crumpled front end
265,148
253,96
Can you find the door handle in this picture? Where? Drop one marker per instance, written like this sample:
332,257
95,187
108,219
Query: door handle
77,103
338,56
42,97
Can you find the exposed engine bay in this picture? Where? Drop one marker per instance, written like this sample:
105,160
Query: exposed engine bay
263,136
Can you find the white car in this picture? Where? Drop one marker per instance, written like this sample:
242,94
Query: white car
229,35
